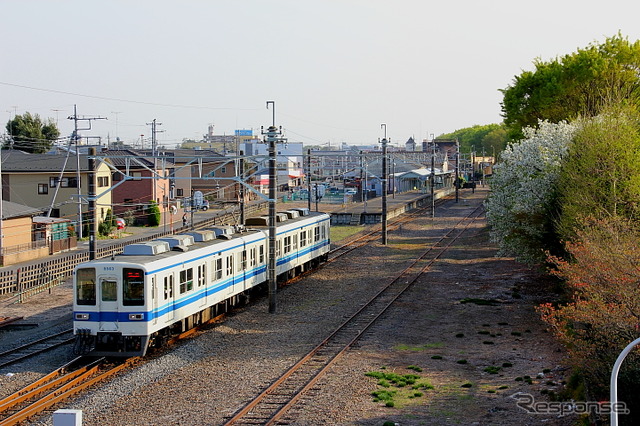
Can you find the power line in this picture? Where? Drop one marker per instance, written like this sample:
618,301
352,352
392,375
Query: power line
131,101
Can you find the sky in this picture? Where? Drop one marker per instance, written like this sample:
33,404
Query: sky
336,70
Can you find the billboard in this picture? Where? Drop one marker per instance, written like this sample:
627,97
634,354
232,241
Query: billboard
244,132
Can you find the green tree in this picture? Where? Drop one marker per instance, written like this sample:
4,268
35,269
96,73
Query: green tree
30,133
494,142
581,84
600,175
153,215
107,226
471,138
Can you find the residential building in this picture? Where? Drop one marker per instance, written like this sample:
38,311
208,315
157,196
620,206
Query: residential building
58,182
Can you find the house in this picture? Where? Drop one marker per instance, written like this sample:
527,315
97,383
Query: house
56,182
27,236
138,180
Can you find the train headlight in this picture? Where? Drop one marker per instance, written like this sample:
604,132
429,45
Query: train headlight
82,317
136,317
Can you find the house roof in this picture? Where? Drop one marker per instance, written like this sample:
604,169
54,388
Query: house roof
118,157
18,161
11,209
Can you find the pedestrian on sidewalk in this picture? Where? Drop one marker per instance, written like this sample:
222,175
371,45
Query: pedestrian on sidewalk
184,220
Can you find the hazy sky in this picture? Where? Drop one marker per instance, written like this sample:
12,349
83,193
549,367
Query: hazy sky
336,69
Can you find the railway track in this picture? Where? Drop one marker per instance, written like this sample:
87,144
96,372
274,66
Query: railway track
373,234
55,387
36,347
272,405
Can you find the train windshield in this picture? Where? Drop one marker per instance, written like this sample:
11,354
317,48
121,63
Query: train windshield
86,286
133,287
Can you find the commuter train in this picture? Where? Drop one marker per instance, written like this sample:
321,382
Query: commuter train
127,303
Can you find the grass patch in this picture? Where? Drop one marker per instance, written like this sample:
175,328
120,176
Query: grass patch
436,357
399,389
404,347
492,369
467,385
461,361
339,233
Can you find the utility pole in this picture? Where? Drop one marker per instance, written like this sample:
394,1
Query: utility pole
273,135
457,169
309,179
154,153
76,138
433,178
241,189
92,203
384,185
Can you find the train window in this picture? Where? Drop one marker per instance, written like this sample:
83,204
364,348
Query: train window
287,244
278,247
132,287
261,253
316,234
109,291
229,265
217,268
166,287
252,257
303,238
86,286
186,280
294,242
243,258
201,275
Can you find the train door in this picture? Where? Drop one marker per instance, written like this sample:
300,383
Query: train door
108,301
168,297
202,283
154,297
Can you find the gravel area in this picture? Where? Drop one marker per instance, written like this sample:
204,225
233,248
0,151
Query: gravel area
211,376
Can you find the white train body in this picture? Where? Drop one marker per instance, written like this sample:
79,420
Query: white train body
125,304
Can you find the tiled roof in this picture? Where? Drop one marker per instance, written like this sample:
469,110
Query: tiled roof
18,161
10,209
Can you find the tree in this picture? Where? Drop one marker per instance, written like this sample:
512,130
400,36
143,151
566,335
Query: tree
580,84
30,134
153,214
600,175
603,314
471,138
522,204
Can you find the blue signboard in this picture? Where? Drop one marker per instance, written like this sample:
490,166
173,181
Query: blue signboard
244,132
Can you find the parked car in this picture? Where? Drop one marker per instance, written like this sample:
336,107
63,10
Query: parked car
350,191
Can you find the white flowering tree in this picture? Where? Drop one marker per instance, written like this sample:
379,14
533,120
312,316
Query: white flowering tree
521,207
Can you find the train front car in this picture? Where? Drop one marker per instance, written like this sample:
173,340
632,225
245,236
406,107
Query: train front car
110,309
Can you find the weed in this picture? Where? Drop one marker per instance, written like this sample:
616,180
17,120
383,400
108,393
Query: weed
487,342
507,364
436,357
503,323
516,333
467,385
461,361
414,368
484,332
503,387
492,369
459,335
